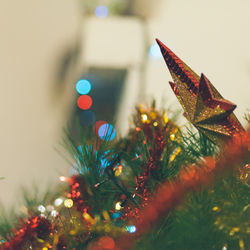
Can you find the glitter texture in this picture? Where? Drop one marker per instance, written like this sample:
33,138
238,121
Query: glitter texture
203,105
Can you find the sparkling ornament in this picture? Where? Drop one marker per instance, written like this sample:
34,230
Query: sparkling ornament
203,105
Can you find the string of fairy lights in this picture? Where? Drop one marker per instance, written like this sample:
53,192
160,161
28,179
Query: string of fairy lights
103,130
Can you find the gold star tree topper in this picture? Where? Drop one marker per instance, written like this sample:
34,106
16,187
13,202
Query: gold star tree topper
203,105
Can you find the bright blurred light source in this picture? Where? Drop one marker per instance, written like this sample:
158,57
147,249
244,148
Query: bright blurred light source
83,87
41,208
101,11
63,178
131,229
144,117
107,132
53,213
118,205
68,203
154,51
58,202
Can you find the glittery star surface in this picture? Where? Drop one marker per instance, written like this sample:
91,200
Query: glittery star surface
203,105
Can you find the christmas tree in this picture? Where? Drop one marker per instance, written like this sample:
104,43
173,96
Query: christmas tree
160,187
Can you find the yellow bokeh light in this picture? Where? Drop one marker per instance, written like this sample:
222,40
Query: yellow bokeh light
155,124
107,228
68,203
153,115
72,232
172,137
175,130
236,229
216,209
88,218
241,243
165,118
118,206
177,151
118,171
144,117
106,215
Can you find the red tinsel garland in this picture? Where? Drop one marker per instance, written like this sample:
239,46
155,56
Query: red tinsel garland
170,194
34,228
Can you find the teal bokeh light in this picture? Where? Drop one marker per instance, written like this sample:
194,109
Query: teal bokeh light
83,87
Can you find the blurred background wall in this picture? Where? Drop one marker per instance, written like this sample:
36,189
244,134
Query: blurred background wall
47,46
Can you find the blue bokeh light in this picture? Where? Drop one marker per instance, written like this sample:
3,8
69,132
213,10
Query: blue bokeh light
154,51
83,87
107,132
101,11
131,229
87,117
